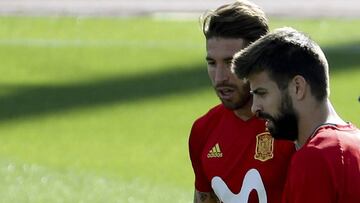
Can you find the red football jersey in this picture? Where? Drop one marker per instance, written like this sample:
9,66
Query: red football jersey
235,157
327,168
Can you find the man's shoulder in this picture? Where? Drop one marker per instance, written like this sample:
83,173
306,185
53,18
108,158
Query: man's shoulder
331,136
203,125
214,113
323,145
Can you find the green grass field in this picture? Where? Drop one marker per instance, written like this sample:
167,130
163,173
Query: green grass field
99,109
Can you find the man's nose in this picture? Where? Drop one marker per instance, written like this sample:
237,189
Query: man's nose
255,107
222,74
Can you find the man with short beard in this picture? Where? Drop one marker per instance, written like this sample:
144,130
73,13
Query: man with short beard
234,158
289,80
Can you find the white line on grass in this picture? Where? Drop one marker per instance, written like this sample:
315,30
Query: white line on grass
97,43
64,43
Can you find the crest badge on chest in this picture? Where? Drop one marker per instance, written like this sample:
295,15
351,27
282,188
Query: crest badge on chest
264,149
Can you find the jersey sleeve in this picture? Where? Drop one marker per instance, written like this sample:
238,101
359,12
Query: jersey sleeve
309,179
196,142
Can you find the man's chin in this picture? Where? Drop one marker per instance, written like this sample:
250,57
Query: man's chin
228,104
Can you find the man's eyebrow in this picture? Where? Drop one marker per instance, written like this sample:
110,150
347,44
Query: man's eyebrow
208,58
228,59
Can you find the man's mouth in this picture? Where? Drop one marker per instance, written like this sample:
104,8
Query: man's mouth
225,92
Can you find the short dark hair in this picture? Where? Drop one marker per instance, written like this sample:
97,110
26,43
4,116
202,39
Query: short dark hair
241,19
284,54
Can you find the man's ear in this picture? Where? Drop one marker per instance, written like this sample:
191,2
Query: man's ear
298,87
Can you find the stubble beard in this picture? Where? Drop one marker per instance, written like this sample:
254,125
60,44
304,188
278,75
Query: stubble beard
242,98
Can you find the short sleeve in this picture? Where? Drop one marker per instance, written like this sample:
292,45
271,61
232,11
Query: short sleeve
196,142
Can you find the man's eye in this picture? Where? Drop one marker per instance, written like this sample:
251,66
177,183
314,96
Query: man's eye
259,93
210,63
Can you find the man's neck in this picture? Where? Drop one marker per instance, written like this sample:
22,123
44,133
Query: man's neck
244,113
314,116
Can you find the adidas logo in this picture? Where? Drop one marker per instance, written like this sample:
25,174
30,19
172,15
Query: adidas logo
215,152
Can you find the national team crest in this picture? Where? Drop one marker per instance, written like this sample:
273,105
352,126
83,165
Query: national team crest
264,147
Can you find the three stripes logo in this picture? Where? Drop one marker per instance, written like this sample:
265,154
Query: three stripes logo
215,152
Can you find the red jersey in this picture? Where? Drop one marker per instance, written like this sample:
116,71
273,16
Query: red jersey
326,168
235,158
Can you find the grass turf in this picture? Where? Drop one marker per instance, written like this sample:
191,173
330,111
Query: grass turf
97,104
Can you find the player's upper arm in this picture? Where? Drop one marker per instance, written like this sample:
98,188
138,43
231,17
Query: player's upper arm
205,197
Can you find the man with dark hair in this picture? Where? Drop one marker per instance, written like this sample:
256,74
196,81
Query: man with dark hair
233,156
289,80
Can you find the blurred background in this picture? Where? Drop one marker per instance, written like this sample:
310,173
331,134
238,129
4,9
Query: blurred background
97,98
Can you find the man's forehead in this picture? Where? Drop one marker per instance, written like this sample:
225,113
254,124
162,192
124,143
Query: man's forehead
258,76
223,49
259,79
226,43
